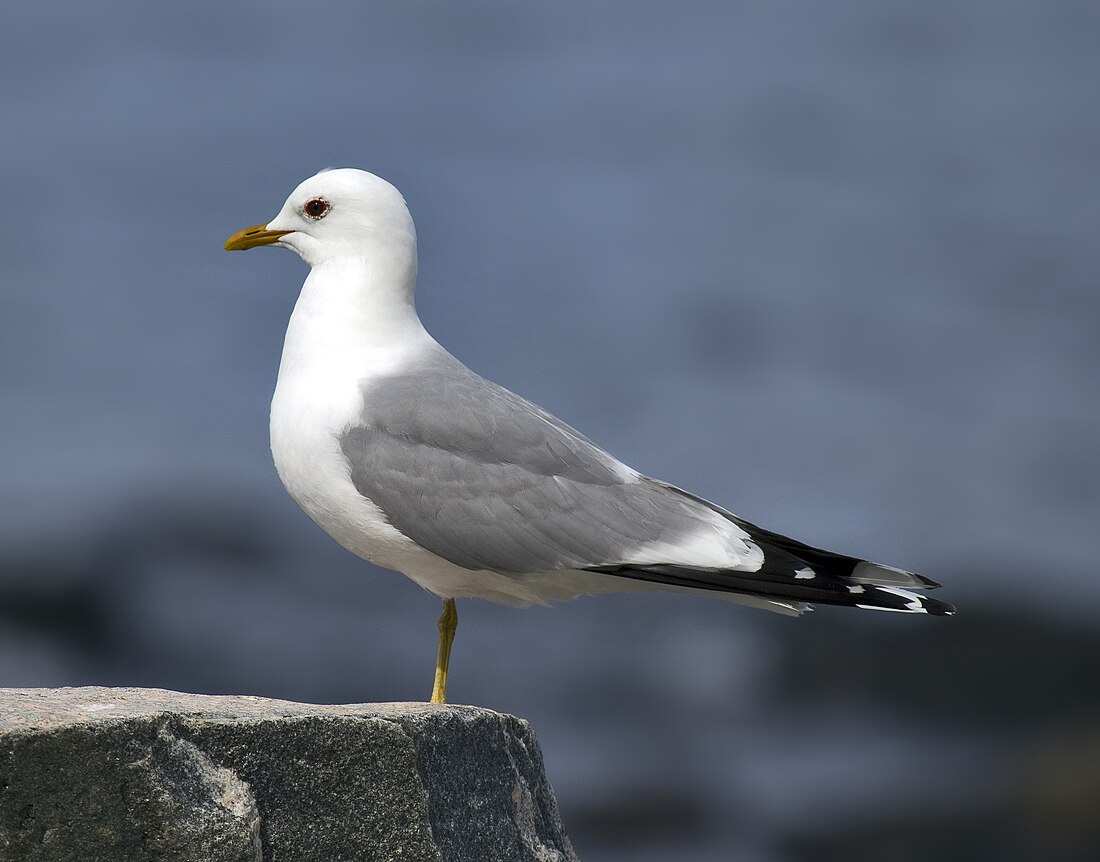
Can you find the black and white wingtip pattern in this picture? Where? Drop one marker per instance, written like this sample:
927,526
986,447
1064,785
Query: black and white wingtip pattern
795,589
795,576
872,597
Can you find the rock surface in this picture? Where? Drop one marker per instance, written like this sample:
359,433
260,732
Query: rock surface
129,775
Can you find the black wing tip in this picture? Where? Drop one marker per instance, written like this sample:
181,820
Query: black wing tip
868,597
935,608
903,601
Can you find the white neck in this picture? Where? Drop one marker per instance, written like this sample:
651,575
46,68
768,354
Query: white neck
355,318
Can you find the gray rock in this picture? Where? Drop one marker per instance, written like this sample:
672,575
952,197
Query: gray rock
145,775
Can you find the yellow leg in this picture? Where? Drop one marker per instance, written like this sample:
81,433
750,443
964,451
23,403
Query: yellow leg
448,624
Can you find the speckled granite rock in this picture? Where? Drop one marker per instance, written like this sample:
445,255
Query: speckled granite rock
142,775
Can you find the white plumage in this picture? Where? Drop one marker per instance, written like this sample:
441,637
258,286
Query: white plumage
411,461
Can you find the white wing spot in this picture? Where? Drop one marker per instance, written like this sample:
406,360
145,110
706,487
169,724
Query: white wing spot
914,603
856,589
805,574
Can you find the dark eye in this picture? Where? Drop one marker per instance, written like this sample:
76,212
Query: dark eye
316,208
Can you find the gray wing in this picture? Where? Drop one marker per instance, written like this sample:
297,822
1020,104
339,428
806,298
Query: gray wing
487,480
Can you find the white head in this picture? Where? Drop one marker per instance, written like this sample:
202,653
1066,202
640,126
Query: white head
339,215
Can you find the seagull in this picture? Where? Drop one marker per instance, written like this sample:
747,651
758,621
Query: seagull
415,463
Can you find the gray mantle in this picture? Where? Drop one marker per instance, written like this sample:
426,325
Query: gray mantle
120,774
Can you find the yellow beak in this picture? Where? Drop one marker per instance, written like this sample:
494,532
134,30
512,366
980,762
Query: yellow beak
251,237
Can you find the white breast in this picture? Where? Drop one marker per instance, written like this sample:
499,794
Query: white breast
329,354
332,354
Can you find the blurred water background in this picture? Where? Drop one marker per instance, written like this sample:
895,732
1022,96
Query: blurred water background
833,265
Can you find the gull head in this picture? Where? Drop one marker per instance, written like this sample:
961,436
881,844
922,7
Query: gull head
335,215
